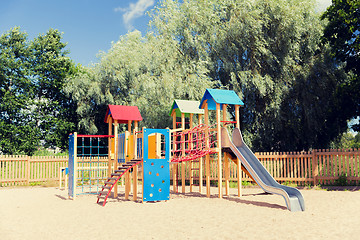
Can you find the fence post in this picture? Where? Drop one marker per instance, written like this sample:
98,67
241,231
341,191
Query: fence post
314,166
27,170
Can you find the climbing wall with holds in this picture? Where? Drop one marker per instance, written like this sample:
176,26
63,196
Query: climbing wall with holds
156,180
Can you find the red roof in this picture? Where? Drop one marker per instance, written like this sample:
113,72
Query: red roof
123,113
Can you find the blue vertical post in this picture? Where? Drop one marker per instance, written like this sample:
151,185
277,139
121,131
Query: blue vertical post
72,165
156,180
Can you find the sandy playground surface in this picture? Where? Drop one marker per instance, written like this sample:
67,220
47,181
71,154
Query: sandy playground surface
46,213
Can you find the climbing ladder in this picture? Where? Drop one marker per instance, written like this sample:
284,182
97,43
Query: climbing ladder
194,172
114,178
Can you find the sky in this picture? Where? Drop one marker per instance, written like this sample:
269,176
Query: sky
88,26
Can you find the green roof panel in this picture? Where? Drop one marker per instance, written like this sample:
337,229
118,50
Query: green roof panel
186,107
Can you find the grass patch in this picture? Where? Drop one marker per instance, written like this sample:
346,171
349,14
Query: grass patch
243,184
290,184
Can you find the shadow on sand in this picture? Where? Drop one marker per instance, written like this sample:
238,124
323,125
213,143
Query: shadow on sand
235,198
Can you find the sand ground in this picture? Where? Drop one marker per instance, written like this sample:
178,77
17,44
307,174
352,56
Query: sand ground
46,213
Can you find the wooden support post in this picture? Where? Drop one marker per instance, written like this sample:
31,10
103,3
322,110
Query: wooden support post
28,168
183,164
135,169
135,182
127,174
191,172
219,163
116,125
142,174
237,116
175,165
207,157
127,184
239,180
200,163
227,173
226,156
224,108
109,147
315,167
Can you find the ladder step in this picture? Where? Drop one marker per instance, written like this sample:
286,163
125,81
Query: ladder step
112,179
103,193
195,169
119,171
122,168
136,160
116,174
108,187
128,164
102,196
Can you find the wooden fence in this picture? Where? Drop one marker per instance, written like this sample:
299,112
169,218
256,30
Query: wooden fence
303,168
23,170
324,166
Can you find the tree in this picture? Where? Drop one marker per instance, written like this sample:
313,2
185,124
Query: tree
17,133
267,51
148,72
343,33
54,113
346,141
34,111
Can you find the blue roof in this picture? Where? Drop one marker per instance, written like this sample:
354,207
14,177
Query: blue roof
214,96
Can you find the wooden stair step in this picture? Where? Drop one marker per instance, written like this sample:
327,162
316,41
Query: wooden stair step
128,164
136,160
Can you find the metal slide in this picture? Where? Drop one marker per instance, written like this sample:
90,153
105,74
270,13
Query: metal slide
293,198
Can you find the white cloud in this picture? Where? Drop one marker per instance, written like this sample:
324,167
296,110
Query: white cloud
322,5
134,10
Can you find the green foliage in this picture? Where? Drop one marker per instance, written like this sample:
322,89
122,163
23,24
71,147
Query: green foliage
147,72
346,141
342,180
243,184
343,31
343,34
290,184
46,152
34,110
269,52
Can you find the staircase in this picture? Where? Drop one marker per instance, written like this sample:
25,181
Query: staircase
114,178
